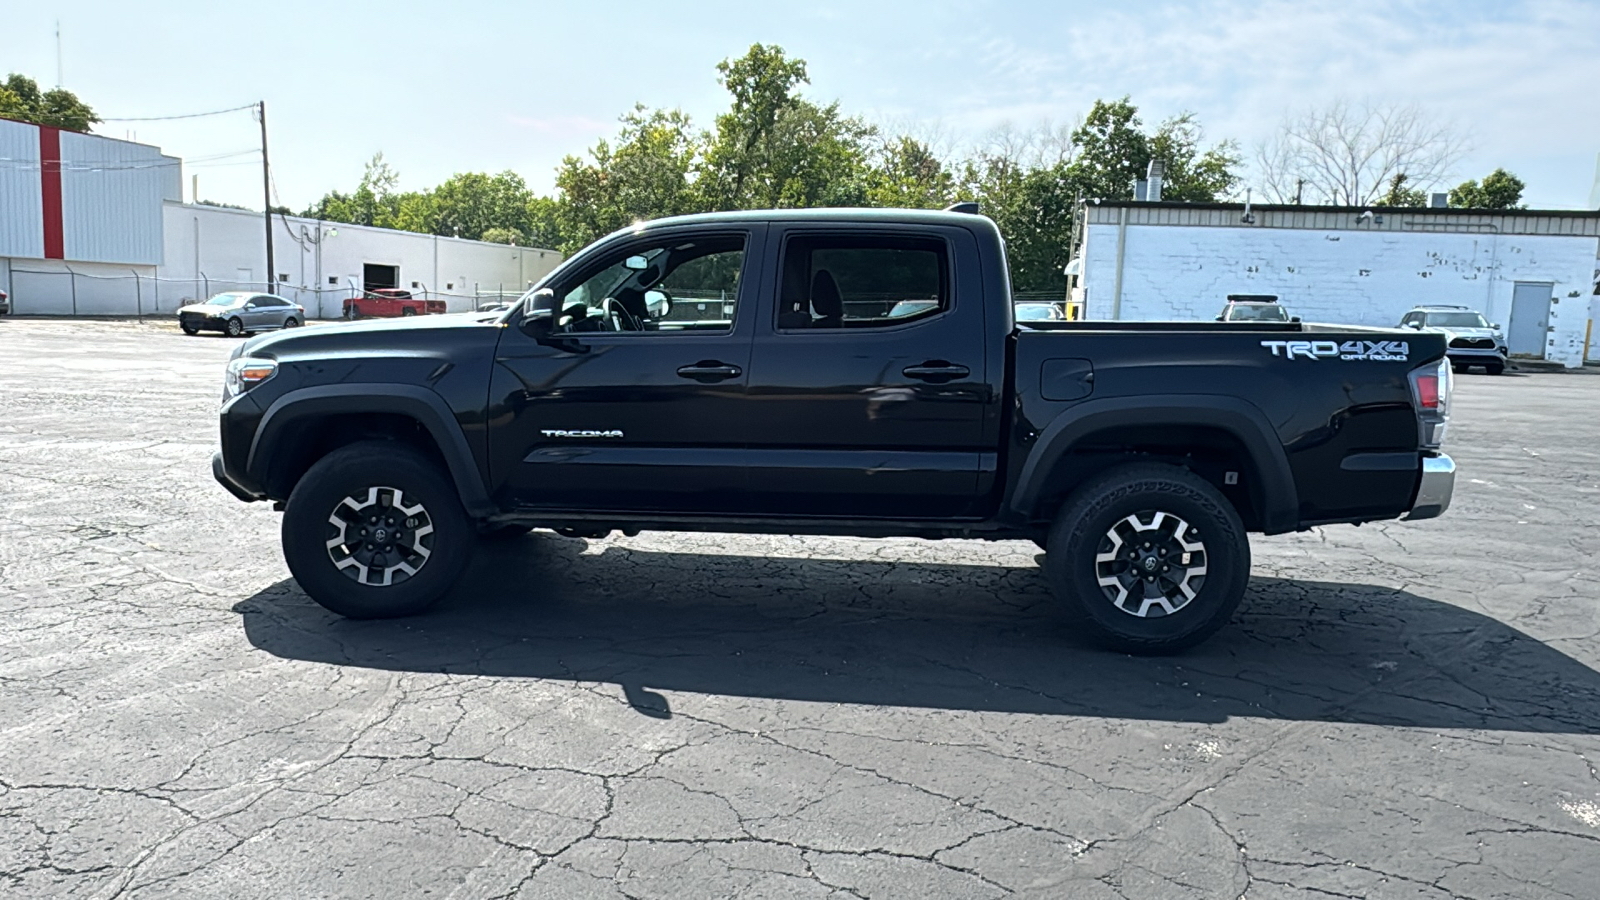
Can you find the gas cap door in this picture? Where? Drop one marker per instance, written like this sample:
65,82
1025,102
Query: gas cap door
1066,379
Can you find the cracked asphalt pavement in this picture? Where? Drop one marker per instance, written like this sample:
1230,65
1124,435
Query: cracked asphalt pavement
1400,710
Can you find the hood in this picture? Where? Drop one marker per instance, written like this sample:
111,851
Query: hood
366,335
206,308
1465,332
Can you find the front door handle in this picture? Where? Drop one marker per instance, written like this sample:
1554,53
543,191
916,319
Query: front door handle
707,371
936,370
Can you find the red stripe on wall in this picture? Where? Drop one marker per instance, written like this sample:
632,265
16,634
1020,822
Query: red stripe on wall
50,182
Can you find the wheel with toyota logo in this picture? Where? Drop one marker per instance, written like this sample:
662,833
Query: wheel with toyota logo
375,529
1153,556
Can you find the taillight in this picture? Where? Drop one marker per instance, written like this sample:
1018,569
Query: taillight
1430,389
1427,390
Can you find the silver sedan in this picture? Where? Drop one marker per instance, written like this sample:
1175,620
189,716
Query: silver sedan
239,313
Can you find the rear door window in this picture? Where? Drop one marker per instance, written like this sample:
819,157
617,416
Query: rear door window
861,281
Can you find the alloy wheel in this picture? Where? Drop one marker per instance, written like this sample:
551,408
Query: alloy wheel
1151,563
379,539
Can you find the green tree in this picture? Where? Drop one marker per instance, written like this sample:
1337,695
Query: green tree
908,174
544,223
1113,150
373,202
469,203
646,176
763,84
21,99
1500,190
498,235
413,211
1399,194
1193,175
773,148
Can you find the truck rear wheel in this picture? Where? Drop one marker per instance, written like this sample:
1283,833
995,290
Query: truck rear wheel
375,530
1154,557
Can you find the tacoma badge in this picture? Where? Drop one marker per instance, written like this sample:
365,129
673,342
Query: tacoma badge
564,433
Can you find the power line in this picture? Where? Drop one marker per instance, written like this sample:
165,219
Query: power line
186,116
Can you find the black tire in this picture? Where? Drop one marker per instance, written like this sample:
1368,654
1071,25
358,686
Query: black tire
373,471
355,312
291,322
1495,368
190,330
1100,509
235,328
1458,368
408,311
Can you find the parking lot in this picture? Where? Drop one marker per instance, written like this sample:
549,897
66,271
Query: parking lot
1401,710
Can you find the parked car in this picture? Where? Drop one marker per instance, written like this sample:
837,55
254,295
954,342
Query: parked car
1254,308
1138,454
1473,340
239,313
1037,312
5,304
385,303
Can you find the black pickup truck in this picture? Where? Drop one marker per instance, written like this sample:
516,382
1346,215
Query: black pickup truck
846,372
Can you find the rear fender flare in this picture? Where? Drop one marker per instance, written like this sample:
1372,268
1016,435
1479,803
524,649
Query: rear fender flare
1239,418
419,403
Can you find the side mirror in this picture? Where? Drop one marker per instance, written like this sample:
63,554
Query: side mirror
1416,326
657,304
636,264
1220,318
1495,325
539,312
1294,320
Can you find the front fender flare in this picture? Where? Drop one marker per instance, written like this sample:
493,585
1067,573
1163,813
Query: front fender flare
1239,418
419,403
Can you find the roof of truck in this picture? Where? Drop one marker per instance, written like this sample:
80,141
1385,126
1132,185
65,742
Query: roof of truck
823,214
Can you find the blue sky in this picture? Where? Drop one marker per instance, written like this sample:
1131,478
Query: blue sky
463,86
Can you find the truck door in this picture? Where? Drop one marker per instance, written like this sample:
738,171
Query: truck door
868,382
642,404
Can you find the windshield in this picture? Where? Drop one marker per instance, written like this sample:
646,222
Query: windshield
225,300
1263,312
1457,320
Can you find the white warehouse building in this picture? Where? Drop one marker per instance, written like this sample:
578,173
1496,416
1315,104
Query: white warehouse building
91,225
1535,272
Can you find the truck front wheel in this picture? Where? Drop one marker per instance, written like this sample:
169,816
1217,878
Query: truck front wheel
375,530
1153,556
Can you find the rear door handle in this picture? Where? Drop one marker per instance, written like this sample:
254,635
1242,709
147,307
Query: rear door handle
707,371
936,370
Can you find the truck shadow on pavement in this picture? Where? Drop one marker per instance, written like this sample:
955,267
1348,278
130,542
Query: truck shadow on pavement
941,636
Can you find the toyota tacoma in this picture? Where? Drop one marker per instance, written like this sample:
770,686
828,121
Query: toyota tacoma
841,372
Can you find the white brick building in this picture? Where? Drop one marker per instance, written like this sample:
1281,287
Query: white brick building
1532,271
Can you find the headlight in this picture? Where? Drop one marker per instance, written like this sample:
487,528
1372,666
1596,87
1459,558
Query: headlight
245,373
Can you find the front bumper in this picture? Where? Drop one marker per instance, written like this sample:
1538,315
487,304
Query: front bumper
1475,354
220,472
1434,491
202,323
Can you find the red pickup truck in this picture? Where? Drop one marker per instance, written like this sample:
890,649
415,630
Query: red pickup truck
388,303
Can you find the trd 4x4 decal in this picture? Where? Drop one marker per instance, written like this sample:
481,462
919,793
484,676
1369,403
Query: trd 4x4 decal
1379,351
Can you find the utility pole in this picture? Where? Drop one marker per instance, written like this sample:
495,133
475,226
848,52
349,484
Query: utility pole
266,194
1299,184
58,53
